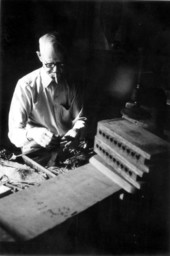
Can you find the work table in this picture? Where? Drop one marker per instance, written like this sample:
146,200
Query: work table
29,213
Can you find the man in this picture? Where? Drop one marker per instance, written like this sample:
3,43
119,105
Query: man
44,108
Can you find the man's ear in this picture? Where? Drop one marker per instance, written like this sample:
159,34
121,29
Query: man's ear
39,55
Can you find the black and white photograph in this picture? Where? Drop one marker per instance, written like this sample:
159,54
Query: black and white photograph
84,127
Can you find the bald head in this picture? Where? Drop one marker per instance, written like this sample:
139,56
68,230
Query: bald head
51,53
50,39
50,45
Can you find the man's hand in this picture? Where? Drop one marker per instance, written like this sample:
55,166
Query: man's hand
70,138
72,133
41,136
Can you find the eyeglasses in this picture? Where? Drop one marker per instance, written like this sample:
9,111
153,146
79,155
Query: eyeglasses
53,64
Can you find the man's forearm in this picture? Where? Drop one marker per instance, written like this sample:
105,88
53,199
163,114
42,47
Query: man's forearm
18,136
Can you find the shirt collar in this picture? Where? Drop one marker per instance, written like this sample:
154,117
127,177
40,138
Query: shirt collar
46,79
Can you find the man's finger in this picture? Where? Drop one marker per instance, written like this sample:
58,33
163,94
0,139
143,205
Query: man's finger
67,138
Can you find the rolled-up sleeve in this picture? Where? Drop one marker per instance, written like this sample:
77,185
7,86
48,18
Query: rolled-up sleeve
18,114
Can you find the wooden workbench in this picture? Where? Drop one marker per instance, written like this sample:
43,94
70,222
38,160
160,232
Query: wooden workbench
29,213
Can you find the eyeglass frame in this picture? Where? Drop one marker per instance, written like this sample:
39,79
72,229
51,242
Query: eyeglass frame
53,64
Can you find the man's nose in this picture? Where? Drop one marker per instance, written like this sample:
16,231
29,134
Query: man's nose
54,69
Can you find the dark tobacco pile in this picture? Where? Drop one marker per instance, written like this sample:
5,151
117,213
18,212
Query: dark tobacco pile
5,154
16,176
72,157
66,159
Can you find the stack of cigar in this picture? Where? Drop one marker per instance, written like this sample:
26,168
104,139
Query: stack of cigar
126,152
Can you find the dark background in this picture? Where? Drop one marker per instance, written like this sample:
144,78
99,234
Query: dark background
109,44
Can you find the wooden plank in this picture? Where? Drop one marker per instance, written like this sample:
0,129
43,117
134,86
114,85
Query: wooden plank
119,168
4,190
103,149
37,166
103,167
140,140
129,155
31,212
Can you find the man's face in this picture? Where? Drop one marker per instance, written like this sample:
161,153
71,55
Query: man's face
52,61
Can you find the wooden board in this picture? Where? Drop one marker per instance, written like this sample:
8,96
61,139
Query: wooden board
138,162
4,190
37,166
107,153
133,137
31,212
112,174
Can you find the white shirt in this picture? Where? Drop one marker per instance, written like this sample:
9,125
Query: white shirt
39,102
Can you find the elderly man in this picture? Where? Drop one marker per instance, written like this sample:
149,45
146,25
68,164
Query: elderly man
44,107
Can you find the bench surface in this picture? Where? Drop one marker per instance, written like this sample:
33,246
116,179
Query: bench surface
31,212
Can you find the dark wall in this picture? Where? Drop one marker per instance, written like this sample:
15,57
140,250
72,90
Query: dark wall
109,44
